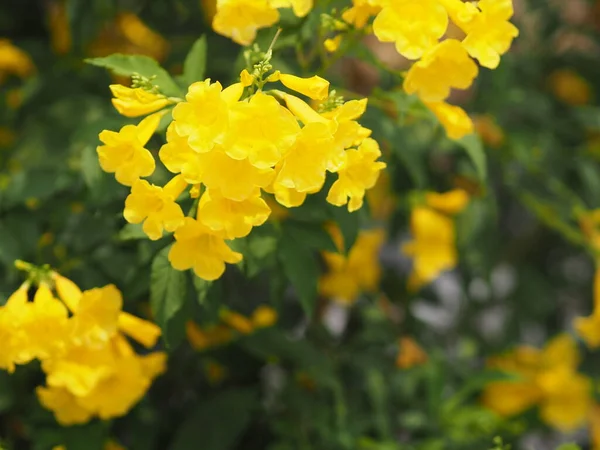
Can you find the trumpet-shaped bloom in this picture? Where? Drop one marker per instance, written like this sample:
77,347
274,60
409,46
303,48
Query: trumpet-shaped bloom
261,130
315,87
362,11
240,19
452,202
96,315
489,33
65,406
304,168
155,206
454,119
13,315
415,26
198,248
449,58
359,271
233,219
123,153
359,173
179,157
203,117
432,248
134,102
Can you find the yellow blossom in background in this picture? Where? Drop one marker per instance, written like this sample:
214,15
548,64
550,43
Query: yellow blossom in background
451,202
589,327
359,271
489,131
241,19
361,11
264,317
433,247
123,153
545,378
570,87
448,57
134,102
155,206
58,24
14,61
333,44
454,119
237,321
202,339
410,354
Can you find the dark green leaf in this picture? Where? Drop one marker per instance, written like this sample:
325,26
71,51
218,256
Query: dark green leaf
127,65
301,269
167,297
217,423
474,148
312,235
194,66
349,224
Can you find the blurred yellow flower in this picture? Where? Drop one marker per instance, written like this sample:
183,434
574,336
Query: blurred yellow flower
454,119
545,378
58,24
14,61
589,327
570,87
489,131
451,202
410,354
264,317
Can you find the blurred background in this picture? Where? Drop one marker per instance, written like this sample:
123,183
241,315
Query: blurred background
399,369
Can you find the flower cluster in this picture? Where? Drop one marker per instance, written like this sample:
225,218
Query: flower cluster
546,378
359,271
433,247
240,19
417,27
230,147
80,339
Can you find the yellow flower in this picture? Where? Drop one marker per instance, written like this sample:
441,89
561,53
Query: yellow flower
237,321
454,119
95,317
333,44
415,26
212,337
348,132
155,206
589,327
13,315
203,117
136,102
260,130
264,317
304,167
432,248
359,271
141,36
452,202
449,58
315,87
233,219
547,378
14,61
234,179
359,173
489,33
489,131
240,19
67,410
361,12
144,332
410,354
179,157
197,248
570,87
300,7
124,154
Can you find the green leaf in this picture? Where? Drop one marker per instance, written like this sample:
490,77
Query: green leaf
127,65
194,67
312,235
132,232
474,148
349,224
217,423
301,269
167,297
